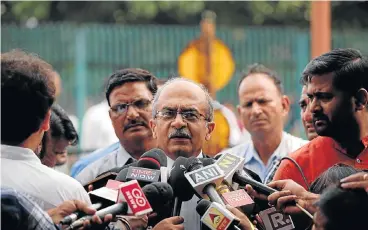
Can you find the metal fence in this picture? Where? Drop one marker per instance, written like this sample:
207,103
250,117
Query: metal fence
85,55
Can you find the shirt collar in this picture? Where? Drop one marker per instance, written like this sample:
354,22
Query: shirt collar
339,148
18,153
122,156
251,152
170,162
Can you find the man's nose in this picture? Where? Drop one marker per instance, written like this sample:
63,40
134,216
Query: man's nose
256,109
132,113
178,122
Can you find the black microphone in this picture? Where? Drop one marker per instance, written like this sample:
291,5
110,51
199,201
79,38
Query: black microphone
160,196
204,179
183,191
120,208
153,159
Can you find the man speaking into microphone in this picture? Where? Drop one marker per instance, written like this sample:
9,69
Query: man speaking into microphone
182,122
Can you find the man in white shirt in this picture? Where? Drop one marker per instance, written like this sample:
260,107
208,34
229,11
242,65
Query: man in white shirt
263,108
129,94
97,131
182,122
28,91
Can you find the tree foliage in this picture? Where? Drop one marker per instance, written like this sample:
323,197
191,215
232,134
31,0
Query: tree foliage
296,13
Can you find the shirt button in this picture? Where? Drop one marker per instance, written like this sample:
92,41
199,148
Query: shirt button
359,160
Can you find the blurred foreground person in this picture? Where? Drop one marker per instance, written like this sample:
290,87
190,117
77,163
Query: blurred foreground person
340,209
19,212
27,93
337,85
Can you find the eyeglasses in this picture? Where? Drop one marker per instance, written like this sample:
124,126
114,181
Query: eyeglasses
141,105
187,115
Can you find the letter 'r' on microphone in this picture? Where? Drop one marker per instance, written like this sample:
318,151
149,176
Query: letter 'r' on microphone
132,193
276,220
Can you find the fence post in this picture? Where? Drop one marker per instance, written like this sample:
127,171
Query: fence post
301,55
80,77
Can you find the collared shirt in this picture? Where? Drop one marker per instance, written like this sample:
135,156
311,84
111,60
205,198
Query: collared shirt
92,157
188,208
116,158
22,170
316,157
253,162
19,211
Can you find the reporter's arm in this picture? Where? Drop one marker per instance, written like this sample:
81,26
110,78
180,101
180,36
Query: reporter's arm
289,193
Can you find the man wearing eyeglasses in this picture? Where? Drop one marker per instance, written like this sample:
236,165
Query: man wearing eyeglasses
129,93
182,122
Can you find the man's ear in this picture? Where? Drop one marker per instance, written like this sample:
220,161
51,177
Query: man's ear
152,124
45,125
285,101
361,99
210,128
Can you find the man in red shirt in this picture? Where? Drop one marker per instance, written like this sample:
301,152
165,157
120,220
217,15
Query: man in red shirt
337,84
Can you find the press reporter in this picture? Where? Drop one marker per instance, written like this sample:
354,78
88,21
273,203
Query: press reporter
19,211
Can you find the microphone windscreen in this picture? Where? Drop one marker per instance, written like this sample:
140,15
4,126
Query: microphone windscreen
122,175
192,164
207,161
153,159
179,183
158,194
218,156
202,206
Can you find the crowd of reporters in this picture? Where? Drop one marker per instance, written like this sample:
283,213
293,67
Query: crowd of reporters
272,181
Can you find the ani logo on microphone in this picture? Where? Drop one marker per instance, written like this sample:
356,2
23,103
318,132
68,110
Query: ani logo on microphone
275,220
135,198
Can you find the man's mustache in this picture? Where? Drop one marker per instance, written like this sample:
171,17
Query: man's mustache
317,117
180,133
134,123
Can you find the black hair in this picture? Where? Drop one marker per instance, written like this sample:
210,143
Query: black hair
61,127
123,76
332,176
344,209
349,68
27,93
261,69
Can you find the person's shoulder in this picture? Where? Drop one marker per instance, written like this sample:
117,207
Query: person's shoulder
238,150
309,147
99,153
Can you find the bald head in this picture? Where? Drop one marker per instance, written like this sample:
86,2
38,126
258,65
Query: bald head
184,90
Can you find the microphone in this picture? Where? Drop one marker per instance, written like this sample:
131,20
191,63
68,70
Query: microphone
239,199
131,193
120,208
273,219
74,216
160,196
204,179
183,191
153,159
215,216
